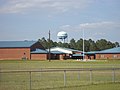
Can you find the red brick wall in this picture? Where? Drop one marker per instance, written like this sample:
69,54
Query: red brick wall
39,56
107,56
14,53
92,56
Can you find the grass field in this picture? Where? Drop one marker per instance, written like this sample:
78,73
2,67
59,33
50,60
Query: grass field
22,65
79,80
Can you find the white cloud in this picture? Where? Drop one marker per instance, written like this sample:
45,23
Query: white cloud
65,27
94,31
100,25
105,25
18,6
75,28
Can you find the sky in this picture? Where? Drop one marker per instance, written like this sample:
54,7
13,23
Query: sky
32,19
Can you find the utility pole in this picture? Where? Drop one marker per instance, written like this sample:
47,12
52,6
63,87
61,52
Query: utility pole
49,56
83,45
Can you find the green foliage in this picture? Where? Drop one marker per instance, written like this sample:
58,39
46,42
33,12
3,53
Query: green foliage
90,45
72,43
104,44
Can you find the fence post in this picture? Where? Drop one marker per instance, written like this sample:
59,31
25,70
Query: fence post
78,75
40,73
90,75
30,80
64,77
113,76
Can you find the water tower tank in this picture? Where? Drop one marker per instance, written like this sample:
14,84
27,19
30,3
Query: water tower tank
62,35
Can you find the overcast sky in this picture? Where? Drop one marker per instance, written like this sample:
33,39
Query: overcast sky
32,19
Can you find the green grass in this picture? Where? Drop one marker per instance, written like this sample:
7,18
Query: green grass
22,65
108,86
79,80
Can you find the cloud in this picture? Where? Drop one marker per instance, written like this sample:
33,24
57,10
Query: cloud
94,31
104,25
20,6
100,25
65,27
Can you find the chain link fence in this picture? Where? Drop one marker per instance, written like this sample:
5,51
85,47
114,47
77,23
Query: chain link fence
48,78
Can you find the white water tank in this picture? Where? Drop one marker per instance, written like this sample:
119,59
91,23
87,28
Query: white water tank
62,35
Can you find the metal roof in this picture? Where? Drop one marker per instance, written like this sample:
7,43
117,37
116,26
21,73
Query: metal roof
72,50
76,55
14,44
112,50
45,51
92,52
67,49
57,52
39,51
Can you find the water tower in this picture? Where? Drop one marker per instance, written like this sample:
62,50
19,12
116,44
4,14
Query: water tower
62,36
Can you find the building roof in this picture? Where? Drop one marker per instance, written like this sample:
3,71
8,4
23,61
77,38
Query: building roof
71,50
57,52
45,51
92,52
39,51
15,44
112,50
64,50
77,55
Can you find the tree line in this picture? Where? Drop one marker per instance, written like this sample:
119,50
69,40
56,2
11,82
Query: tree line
89,45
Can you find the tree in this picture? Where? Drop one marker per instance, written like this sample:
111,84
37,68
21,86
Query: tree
79,44
89,45
43,42
86,45
116,44
72,43
93,46
104,44
109,45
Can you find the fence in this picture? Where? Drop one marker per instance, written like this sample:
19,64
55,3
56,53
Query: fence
56,77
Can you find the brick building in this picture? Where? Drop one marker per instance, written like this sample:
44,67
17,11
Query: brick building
17,50
113,53
65,53
39,54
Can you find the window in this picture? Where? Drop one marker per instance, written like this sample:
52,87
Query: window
115,56
102,56
24,53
